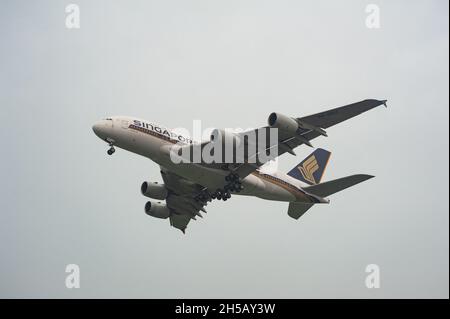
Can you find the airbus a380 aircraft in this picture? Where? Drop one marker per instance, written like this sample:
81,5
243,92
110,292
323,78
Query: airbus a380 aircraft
189,186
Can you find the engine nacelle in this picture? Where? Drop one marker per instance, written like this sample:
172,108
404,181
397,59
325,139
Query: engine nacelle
283,123
157,209
225,136
154,190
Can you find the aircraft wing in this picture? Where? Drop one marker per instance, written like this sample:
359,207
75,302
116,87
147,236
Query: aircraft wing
183,199
335,116
180,221
311,127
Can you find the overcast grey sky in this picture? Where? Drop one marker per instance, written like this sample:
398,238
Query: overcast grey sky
229,64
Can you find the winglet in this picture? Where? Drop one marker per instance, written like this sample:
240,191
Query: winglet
384,103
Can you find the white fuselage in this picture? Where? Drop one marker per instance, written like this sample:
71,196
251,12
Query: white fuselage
154,142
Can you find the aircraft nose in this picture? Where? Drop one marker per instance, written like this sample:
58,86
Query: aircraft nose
97,128
102,128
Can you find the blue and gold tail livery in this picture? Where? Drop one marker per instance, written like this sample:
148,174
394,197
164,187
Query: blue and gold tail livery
311,169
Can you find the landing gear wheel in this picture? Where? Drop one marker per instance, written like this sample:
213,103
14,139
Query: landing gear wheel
233,183
232,177
111,146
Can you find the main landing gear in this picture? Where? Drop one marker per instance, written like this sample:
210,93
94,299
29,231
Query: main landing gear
221,194
204,197
234,185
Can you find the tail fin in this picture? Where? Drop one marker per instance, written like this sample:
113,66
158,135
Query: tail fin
311,169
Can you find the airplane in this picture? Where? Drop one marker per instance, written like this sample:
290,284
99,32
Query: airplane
188,187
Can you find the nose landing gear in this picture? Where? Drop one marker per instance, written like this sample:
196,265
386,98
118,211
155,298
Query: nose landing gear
111,148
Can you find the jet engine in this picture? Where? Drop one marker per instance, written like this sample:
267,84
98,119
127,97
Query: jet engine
290,126
154,190
225,135
283,123
157,209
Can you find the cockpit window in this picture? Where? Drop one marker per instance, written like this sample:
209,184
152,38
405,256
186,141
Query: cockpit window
108,119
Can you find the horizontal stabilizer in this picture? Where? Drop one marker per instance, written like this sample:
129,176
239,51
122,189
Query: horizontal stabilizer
296,210
334,186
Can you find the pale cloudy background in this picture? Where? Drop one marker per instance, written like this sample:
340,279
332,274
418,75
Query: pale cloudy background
228,63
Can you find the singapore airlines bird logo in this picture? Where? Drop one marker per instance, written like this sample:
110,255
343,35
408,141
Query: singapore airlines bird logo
308,168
